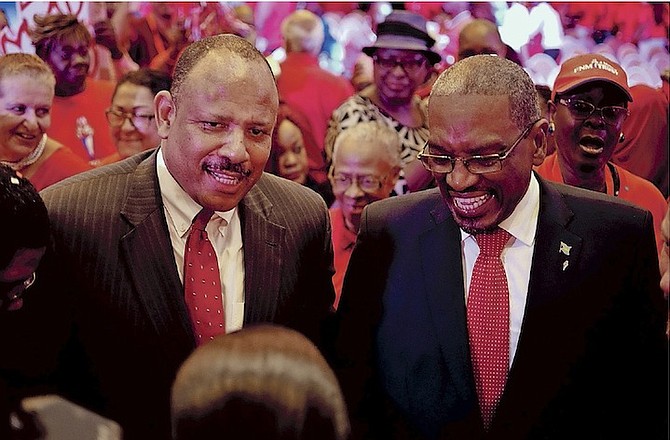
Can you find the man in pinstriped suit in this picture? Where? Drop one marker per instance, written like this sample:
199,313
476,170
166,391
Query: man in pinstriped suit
120,230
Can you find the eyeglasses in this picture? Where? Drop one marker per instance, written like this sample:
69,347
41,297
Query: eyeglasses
409,65
116,119
612,114
490,163
18,287
367,184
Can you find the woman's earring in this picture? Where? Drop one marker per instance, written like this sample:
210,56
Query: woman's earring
552,128
622,138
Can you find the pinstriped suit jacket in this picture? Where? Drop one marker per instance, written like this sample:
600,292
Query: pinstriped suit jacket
131,328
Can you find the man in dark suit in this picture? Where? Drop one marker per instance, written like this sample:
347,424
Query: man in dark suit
585,354
120,234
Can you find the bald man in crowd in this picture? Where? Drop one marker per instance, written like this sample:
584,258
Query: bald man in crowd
481,37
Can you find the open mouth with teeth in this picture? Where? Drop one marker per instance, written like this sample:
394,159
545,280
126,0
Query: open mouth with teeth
224,177
471,205
591,145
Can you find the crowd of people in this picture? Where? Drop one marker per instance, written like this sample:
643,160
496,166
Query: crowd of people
213,241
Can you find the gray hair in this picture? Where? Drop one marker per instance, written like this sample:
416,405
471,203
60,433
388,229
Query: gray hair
373,133
303,32
491,75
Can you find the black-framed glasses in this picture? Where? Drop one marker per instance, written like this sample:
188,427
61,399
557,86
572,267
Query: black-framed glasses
367,183
611,114
489,163
408,64
116,118
16,288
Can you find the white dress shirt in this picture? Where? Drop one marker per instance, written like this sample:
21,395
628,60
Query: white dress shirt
225,233
516,257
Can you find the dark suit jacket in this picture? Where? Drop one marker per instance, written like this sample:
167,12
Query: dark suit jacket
130,326
591,360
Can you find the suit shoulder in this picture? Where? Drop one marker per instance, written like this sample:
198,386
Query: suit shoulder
592,204
399,206
284,193
96,183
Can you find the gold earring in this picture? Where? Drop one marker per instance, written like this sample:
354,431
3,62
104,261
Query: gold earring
622,138
552,128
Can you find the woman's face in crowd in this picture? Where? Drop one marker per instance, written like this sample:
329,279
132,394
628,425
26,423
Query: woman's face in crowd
292,157
25,113
398,73
138,131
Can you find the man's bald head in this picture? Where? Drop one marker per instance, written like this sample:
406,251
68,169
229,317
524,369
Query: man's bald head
480,37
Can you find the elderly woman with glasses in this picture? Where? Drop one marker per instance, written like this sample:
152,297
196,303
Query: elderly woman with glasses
131,115
589,103
403,61
26,96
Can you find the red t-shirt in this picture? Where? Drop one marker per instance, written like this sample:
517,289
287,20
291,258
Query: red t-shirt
632,188
91,103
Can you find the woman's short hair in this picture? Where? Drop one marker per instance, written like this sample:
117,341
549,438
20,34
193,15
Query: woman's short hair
154,80
265,382
25,63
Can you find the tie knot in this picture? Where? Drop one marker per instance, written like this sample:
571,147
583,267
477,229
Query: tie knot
200,221
492,242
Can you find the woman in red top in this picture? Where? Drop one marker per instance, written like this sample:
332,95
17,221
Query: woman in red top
26,95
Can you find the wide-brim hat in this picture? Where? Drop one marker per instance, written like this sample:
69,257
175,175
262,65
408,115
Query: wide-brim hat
587,68
404,30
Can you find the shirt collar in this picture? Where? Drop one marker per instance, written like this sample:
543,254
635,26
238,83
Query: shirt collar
522,223
180,207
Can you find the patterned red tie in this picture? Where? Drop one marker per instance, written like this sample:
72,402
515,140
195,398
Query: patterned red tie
202,283
488,322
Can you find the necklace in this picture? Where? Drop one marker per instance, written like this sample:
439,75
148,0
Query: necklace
29,159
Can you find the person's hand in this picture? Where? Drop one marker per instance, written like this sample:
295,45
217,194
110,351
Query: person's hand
105,36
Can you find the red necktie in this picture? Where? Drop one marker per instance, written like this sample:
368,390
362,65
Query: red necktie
202,283
488,322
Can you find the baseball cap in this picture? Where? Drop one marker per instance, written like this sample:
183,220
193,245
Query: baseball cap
587,68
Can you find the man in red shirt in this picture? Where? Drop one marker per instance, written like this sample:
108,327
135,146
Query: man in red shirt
305,86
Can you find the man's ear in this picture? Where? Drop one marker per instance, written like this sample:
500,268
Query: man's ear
539,133
551,109
164,110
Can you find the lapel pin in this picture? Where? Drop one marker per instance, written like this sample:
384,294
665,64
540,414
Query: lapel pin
565,249
565,265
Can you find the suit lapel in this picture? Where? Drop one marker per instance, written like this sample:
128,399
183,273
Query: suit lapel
263,255
150,259
556,250
443,277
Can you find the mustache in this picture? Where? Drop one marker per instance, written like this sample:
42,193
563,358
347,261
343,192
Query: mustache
225,164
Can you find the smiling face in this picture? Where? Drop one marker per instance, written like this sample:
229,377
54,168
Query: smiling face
25,105
292,157
355,160
396,85
216,139
466,125
133,98
585,145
